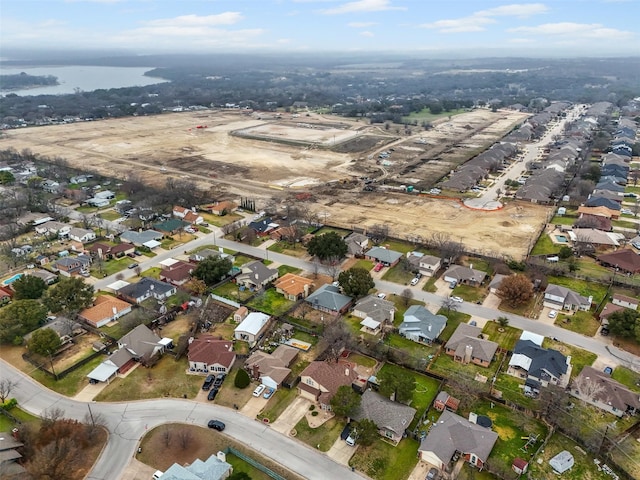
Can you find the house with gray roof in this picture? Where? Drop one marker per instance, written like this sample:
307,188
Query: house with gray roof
356,244
329,299
256,275
213,468
420,325
383,255
427,265
141,238
391,418
539,366
454,434
464,275
141,343
376,308
466,345
563,298
210,252
147,287
599,389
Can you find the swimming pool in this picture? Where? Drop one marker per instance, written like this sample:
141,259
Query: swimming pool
561,239
9,281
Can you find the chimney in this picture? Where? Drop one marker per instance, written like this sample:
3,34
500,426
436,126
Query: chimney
346,372
471,266
255,371
468,350
114,310
221,456
429,327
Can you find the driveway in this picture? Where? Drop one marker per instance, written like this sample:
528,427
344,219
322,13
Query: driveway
492,301
291,415
254,406
341,452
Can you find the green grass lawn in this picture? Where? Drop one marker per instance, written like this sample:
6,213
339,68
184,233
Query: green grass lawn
397,245
270,302
240,465
383,461
627,377
580,322
73,382
167,378
507,339
398,274
278,402
362,263
321,437
362,360
453,320
544,246
511,390
240,260
416,350
109,267
425,115
230,290
579,357
430,285
153,272
110,215
469,293
627,455
340,231
284,269
479,264
168,243
445,365
563,220
401,307
6,424
583,287
218,220
291,249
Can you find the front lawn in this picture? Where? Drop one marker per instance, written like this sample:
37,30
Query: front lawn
277,404
365,264
110,215
469,293
580,322
401,307
627,377
383,461
322,437
579,357
109,267
291,249
398,274
284,269
453,320
167,378
507,338
153,272
240,260
270,302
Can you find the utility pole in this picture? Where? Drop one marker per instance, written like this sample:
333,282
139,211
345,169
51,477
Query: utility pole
93,422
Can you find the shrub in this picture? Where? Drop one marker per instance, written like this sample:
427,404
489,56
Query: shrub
314,414
312,408
242,379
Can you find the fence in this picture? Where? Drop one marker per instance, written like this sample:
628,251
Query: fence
59,375
253,463
224,300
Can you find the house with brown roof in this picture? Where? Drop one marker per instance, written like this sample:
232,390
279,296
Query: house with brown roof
606,312
444,401
625,301
102,250
624,260
599,389
464,275
105,309
187,215
320,381
293,287
6,294
221,208
178,273
271,369
210,355
69,266
599,211
466,346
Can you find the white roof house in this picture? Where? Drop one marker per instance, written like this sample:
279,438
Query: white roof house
251,327
562,462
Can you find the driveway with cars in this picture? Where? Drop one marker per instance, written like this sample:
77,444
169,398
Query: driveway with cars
254,406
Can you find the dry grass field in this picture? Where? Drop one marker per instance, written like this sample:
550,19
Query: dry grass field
267,157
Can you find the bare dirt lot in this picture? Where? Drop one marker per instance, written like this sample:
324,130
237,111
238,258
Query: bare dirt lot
284,157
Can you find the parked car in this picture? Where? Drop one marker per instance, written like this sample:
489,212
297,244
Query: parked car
212,393
604,331
268,392
415,281
378,267
216,425
219,379
382,295
345,431
351,440
457,299
259,390
208,382
433,474
608,370
157,475
453,284
553,314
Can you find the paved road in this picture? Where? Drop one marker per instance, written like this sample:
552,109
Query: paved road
128,422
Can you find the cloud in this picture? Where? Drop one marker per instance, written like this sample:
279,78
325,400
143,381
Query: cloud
367,34
477,21
361,24
362,6
575,30
94,1
226,18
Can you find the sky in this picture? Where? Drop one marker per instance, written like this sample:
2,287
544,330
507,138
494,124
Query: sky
481,27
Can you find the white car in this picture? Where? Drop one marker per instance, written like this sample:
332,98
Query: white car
553,314
415,281
382,295
457,299
258,391
626,211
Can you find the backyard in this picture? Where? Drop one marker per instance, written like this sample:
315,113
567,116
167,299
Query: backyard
231,291
398,274
271,302
383,461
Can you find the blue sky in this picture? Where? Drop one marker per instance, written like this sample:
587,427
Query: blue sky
555,27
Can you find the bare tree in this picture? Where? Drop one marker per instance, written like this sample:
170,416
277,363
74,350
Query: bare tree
315,265
407,296
6,387
449,249
335,339
94,422
378,233
166,436
333,268
185,437
589,388
449,304
58,459
51,416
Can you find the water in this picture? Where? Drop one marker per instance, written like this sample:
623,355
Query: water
86,78
10,280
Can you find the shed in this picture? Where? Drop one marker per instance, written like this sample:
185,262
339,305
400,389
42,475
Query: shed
519,466
562,462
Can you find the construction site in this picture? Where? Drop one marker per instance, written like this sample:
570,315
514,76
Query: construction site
350,172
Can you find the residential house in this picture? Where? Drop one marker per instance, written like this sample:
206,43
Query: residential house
102,250
624,260
454,434
427,265
320,381
540,366
6,294
328,299
64,327
596,238
420,325
563,298
9,456
444,401
53,228
290,233
391,418
147,287
209,252
356,244
251,328
209,355
271,369
387,257
213,468
466,345
105,309
496,282
263,227
293,287
82,235
256,275
171,226
624,301
464,275
97,202
599,389
144,238
187,215
48,277
50,186
375,313
599,211
221,208
69,266
606,312
178,273
141,343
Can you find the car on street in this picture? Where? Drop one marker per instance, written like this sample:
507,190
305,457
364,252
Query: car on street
216,425
433,474
132,265
259,390
553,314
382,295
268,392
457,299
208,382
212,393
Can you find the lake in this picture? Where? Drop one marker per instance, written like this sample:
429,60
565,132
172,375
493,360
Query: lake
86,78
